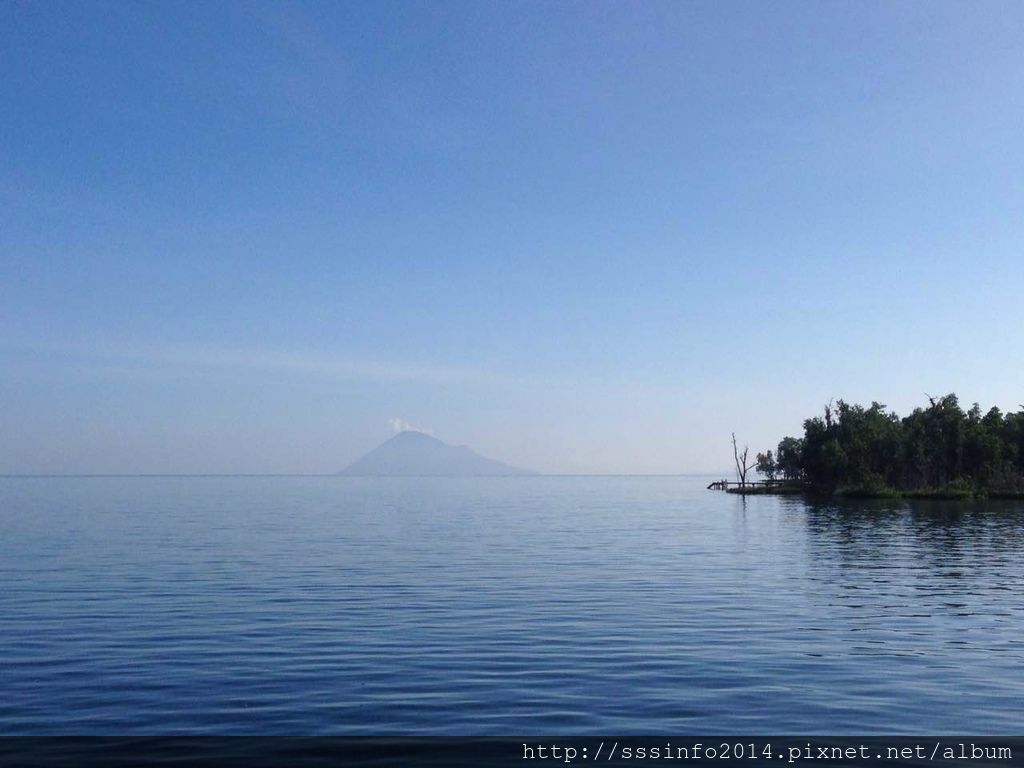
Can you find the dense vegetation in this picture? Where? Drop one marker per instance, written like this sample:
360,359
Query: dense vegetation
940,450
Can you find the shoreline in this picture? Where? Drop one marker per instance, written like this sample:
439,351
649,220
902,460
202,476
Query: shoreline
877,493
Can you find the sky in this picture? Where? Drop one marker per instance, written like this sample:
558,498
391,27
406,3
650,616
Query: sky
257,237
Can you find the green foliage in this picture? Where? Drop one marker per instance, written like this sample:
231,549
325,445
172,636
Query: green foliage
767,465
940,450
873,487
789,458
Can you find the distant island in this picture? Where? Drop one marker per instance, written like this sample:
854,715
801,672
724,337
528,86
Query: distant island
940,451
412,454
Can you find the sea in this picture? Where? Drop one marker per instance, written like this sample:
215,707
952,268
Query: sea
501,606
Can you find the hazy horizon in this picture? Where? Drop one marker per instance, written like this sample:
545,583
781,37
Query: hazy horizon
581,238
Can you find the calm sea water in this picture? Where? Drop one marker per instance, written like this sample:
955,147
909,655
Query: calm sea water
500,606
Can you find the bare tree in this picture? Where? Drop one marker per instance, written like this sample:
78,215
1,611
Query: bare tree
742,467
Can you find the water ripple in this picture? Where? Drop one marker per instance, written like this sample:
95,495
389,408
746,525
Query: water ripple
500,606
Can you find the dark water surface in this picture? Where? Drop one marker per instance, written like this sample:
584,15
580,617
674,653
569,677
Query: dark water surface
501,606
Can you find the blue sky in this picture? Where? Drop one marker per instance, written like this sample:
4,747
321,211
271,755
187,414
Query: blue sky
580,237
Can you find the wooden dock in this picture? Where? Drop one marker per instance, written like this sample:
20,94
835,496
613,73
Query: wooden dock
755,486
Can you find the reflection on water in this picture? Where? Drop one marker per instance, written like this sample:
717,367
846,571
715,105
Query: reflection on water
962,539
501,606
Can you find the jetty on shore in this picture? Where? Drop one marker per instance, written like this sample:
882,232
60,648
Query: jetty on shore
756,486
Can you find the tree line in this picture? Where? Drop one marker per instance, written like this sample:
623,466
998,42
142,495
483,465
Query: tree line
937,449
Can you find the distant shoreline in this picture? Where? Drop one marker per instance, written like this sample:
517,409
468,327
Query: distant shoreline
342,476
